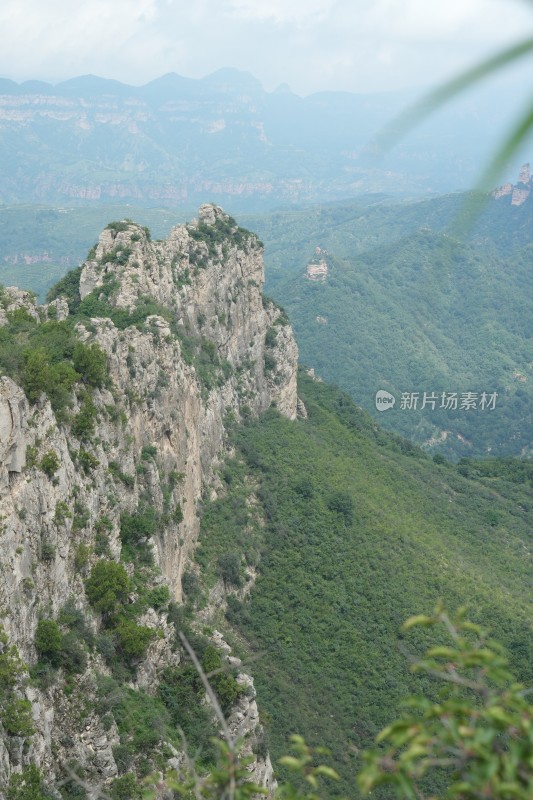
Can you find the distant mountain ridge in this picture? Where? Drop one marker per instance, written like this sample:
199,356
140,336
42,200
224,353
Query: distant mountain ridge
181,140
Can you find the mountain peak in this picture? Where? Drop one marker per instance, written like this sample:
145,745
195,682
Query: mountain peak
283,88
93,85
231,78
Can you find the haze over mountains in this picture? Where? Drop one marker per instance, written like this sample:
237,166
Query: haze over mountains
180,141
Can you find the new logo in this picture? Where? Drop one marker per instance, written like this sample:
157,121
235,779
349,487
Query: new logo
384,400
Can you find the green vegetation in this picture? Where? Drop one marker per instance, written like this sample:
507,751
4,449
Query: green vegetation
118,255
146,721
46,357
223,684
81,558
181,692
352,530
28,785
15,713
158,597
87,460
117,227
217,237
68,287
138,526
50,463
409,307
107,586
229,569
103,528
115,470
48,550
230,776
84,421
148,451
135,530
97,304
62,513
472,742
57,648
212,371
48,641
142,719
38,375
132,639
90,362
349,528
126,788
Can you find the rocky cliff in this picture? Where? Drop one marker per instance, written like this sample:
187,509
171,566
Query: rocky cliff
518,192
118,476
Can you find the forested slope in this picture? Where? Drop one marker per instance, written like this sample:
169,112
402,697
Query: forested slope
412,304
351,530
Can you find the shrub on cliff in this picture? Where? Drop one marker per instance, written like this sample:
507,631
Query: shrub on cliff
90,363
40,375
226,687
15,713
50,463
84,421
28,785
107,585
132,639
68,287
48,641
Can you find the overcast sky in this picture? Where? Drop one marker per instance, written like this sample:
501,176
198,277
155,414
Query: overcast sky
354,45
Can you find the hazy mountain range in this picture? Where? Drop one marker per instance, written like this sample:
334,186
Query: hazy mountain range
179,141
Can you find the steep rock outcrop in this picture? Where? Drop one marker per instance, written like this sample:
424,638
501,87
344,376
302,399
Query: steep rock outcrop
244,722
212,346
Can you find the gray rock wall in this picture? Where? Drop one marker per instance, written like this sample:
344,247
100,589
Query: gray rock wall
157,398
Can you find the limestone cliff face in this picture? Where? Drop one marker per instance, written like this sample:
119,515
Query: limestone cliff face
214,348
520,191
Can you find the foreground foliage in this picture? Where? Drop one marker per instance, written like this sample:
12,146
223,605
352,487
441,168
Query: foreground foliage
479,733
